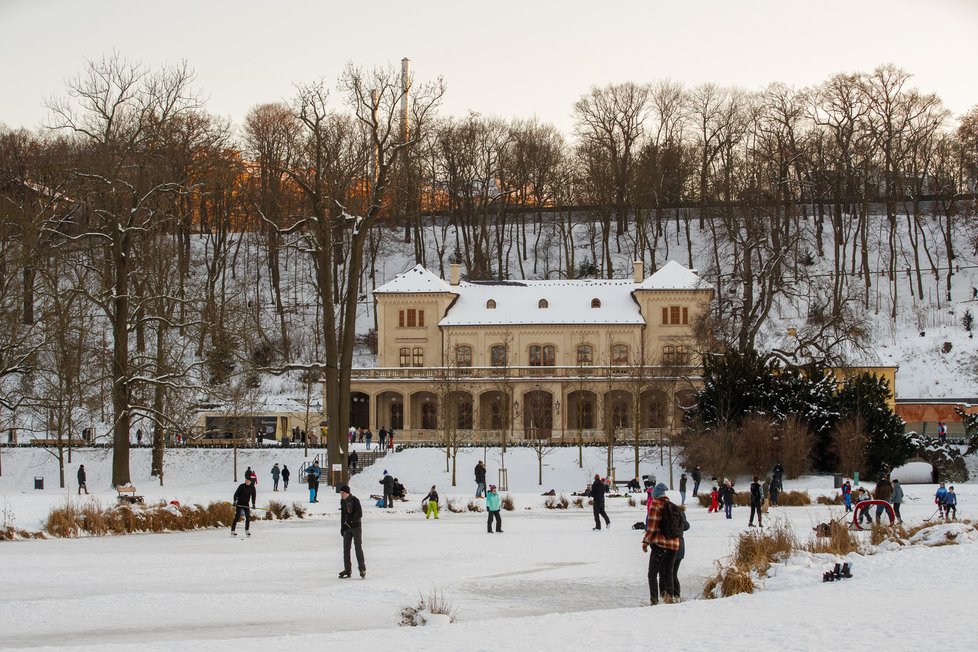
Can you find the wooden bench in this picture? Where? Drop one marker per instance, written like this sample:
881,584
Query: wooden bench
127,494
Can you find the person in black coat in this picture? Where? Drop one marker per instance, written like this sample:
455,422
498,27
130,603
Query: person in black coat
388,483
81,480
598,490
351,516
352,460
246,493
285,477
697,476
480,479
756,497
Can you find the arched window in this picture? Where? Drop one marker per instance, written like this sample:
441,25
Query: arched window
585,354
542,356
463,356
549,356
668,355
595,303
536,355
497,355
405,356
619,355
418,356
543,304
491,304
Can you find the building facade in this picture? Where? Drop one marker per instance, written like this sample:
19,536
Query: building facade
565,360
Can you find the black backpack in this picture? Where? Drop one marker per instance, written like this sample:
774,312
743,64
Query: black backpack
671,520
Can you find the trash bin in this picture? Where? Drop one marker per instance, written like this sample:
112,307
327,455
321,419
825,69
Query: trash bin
838,481
38,482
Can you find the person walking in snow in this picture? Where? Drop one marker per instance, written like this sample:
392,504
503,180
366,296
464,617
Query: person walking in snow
492,507
352,460
250,475
351,522
697,476
939,499
285,477
430,503
276,472
662,562
727,496
950,504
480,479
680,555
313,474
598,490
682,489
82,477
755,503
388,482
245,493
884,491
847,495
897,499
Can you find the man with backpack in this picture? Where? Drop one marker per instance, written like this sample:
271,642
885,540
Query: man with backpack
663,529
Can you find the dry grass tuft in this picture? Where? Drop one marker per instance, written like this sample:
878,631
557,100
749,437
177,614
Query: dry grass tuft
840,541
631,501
435,603
880,533
454,507
579,503
507,503
473,506
95,520
727,582
279,510
63,521
553,502
300,510
756,550
831,500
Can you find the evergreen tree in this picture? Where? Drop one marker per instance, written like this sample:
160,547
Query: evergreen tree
866,396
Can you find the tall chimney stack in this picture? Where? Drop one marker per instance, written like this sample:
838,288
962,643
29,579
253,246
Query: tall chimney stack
454,273
405,90
638,267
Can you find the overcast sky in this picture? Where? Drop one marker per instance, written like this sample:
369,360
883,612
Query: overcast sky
512,58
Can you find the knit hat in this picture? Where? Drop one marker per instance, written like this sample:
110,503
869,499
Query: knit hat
345,488
660,490
492,487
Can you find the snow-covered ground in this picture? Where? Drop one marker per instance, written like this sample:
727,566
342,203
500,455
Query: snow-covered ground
548,582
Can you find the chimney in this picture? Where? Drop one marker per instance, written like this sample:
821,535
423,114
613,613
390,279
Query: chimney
405,90
639,270
453,274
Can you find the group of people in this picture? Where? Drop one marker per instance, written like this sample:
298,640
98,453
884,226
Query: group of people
947,502
366,436
665,524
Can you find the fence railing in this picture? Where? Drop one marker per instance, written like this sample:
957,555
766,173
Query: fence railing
629,372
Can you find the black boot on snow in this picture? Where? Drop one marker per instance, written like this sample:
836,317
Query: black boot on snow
828,577
837,572
345,574
846,570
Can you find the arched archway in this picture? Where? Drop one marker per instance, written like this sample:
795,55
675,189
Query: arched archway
424,411
684,400
655,409
390,410
458,410
618,409
582,413
493,410
359,410
538,414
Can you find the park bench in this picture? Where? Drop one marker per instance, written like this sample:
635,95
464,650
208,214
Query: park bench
128,494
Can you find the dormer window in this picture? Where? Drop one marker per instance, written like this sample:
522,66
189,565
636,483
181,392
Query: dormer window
595,303
491,304
543,304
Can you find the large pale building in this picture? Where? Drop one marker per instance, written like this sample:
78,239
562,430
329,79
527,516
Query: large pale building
545,359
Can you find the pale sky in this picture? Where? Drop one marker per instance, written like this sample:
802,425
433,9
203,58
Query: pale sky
511,58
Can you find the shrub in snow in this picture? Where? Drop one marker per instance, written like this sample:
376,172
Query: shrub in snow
474,506
552,502
433,610
507,503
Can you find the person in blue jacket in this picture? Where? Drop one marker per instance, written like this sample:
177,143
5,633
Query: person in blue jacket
313,474
950,503
939,499
492,506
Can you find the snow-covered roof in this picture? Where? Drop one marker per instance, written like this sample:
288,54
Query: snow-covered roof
673,276
416,279
568,302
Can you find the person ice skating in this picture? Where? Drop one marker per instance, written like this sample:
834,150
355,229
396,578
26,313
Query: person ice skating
680,554
285,477
276,473
430,503
951,504
312,477
697,476
245,493
598,490
777,482
847,495
251,475
82,477
755,503
897,499
682,489
714,500
351,516
353,459
480,479
388,482
662,562
492,507
861,496
939,499
727,496
884,491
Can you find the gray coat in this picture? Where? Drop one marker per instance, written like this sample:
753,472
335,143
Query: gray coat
897,497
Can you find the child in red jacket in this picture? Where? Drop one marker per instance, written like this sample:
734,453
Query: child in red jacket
714,501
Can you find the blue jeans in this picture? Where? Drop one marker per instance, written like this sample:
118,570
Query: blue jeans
480,489
696,487
728,509
682,494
